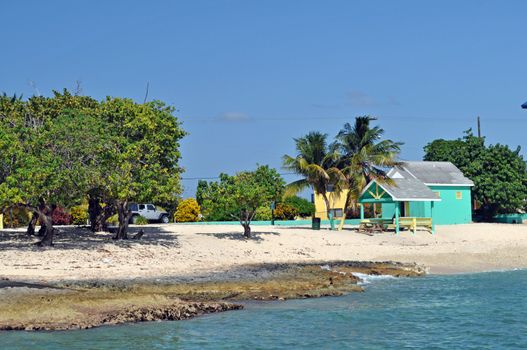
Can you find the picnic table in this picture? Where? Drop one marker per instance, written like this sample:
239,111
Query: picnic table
374,225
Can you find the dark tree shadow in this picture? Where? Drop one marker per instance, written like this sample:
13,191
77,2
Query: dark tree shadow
238,236
69,237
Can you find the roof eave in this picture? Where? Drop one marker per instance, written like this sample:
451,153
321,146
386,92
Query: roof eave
439,184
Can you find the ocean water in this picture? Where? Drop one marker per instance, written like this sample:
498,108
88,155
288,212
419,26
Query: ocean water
473,311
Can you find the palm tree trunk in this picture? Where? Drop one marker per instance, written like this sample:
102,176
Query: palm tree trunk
328,211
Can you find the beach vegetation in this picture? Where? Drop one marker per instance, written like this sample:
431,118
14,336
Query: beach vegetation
315,162
57,150
79,214
61,216
239,196
140,220
285,211
16,217
188,210
364,156
358,155
263,213
498,172
303,207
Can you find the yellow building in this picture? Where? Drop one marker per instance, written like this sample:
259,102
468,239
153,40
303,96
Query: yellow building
336,202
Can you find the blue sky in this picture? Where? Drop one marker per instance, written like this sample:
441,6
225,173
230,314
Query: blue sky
248,76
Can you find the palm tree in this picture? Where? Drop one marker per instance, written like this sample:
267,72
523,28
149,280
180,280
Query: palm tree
316,162
364,156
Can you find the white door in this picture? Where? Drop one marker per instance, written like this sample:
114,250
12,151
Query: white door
151,212
142,210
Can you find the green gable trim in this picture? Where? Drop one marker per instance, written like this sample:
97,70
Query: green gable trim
374,193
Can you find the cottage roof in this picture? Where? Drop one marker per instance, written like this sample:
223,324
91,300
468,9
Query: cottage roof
406,188
436,173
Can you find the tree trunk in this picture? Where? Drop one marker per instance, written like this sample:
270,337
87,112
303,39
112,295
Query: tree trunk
47,223
246,230
32,223
124,218
328,210
99,214
94,212
107,212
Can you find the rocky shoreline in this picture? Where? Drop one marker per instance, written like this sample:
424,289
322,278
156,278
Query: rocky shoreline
81,305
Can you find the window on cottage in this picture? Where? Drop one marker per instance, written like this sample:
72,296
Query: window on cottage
337,213
459,195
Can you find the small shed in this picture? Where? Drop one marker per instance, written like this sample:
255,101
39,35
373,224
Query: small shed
396,197
437,191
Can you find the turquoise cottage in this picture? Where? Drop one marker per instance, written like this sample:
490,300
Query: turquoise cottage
436,190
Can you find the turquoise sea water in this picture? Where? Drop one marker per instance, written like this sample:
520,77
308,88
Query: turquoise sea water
476,311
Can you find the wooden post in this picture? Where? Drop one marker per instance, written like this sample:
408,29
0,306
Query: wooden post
1,221
414,224
397,204
432,217
479,128
361,211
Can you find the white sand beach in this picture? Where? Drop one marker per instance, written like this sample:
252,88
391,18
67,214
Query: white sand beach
190,251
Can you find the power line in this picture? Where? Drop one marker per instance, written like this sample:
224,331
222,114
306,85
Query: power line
385,118
217,177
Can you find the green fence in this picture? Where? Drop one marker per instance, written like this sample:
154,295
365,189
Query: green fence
268,223
510,218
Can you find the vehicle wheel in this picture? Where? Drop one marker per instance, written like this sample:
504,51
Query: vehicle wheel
134,219
164,219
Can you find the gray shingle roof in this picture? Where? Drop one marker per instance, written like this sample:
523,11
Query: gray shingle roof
408,187
439,173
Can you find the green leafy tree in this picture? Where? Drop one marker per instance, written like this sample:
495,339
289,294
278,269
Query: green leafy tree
142,155
213,205
55,167
499,173
263,213
304,207
58,150
201,189
239,196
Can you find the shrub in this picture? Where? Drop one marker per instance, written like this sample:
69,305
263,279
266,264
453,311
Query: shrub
188,210
79,214
263,213
16,217
285,212
304,207
140,220
60,217
113,220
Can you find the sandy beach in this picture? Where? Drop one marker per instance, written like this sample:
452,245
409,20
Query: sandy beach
194,252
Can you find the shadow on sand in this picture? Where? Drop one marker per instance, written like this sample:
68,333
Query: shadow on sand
70,237
255,236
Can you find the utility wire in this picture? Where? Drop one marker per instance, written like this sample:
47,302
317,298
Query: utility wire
217,177
385,118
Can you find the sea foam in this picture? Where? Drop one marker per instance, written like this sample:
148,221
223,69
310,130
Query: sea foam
367,279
